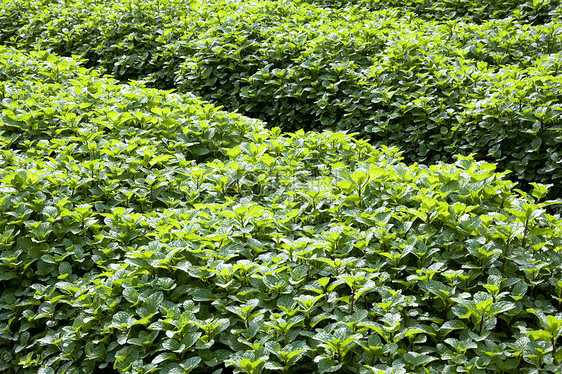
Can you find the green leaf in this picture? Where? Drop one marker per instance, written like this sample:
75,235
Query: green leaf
326,365
535,144
540,335
203,294
501,307
453,325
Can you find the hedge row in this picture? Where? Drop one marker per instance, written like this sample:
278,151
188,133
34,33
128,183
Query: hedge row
433,89
144,231
478,11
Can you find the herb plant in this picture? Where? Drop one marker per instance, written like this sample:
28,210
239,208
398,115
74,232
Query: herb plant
147,231
435,78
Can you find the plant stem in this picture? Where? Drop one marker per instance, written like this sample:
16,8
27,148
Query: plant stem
525,233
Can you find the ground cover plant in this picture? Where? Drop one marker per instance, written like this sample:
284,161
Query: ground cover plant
147,231
468,10
468,77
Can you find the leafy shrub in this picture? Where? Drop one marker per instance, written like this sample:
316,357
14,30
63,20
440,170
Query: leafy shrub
435,89
145,231
398,85
529,11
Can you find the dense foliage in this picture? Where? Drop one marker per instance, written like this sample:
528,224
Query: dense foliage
146,231
531,11
435,86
